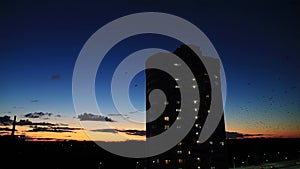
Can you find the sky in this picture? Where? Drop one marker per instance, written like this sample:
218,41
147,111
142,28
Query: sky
258,44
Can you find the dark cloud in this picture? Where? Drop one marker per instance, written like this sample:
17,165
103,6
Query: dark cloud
55,77
93,117
105,130
3,132
30,123
58,115
236,135
53,129
5,120
37,115
134,132
5,129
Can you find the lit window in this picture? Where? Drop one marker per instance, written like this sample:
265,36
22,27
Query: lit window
195,101
195,109
180,161
176,79
199,167
177,64
179,127
177,87
167,161
189,152
166,118
196,117
198,142
197,133
194,86
166,103
194,79
208,111
180,143
216,77
205,74
178,110
198,158
222,143
207,95
178,102
179,152
157,160
166,127
211,142
153,161
178,118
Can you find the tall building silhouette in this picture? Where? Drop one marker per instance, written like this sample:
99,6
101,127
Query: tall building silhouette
189,153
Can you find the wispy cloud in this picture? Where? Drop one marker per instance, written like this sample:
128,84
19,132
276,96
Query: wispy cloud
16,107
34,101
93,117
115,114
55,77
129,132
105,130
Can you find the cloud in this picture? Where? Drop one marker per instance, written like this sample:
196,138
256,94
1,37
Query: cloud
134,132
5,129
115,114
55,77
28,122
93,117
37,115
133,112
129,132
34,101
236,135
16,107
53,129
105,130
5,120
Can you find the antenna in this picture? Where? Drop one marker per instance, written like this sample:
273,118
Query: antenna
14,126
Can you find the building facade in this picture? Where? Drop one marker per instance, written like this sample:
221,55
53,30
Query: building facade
189,153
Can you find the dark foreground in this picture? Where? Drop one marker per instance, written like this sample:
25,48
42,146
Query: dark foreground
87,155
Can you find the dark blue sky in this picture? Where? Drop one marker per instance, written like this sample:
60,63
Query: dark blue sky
258,43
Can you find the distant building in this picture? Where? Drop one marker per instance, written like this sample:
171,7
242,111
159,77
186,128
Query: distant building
189,153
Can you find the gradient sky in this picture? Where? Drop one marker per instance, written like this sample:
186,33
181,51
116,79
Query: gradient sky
258,43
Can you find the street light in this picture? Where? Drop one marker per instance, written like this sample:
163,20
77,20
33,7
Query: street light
233,162
100,163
